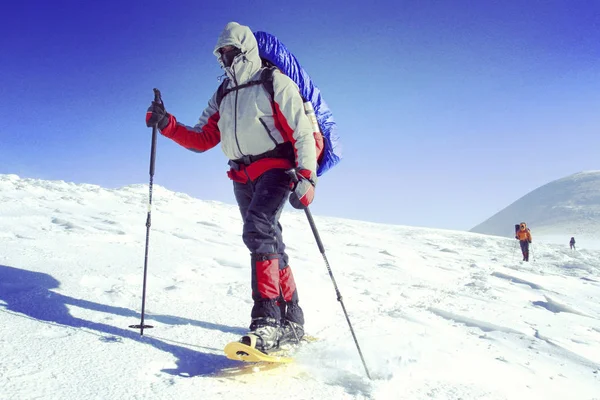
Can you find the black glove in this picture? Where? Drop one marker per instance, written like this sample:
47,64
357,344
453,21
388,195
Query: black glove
157,114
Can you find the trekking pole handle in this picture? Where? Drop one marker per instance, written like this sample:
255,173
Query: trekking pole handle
292,174
157,97
295,180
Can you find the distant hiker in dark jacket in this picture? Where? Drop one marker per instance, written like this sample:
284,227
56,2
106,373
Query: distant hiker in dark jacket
262,137
572,243
523,235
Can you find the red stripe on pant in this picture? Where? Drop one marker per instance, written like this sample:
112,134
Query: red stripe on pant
267,278
288,285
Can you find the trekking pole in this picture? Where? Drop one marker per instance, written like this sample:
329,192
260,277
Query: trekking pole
532,255
313,227
141,326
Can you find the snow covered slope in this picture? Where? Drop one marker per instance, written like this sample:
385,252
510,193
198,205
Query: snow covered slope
439,314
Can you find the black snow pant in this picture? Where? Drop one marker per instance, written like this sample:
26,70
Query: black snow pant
273,287
525,249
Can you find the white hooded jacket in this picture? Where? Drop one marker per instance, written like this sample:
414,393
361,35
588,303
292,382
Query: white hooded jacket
248,121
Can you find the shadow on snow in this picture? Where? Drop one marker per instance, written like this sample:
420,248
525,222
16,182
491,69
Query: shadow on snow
29,293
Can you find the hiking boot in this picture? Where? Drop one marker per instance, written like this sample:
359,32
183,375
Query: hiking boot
291,332
264,334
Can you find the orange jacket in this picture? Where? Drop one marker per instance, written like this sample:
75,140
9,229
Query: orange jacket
524,234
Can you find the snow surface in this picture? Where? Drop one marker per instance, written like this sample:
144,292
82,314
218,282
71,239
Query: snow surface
439,314
555,212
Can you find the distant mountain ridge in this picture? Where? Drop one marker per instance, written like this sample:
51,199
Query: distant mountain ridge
569,206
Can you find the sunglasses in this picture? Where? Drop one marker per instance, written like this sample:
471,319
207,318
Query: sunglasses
229,55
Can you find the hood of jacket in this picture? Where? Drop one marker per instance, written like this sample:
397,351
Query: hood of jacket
248,63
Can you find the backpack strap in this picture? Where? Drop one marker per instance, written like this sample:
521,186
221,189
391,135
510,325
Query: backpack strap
221,91
266,79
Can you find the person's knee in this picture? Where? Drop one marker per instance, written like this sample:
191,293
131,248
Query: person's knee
258,237
259,244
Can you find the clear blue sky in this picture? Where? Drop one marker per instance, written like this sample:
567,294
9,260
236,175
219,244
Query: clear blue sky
448,110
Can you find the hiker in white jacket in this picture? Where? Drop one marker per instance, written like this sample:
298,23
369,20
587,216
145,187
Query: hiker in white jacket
263,135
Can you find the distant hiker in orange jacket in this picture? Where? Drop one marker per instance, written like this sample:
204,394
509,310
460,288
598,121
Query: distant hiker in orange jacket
523,235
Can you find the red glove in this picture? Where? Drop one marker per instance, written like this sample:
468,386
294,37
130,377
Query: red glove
303,192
